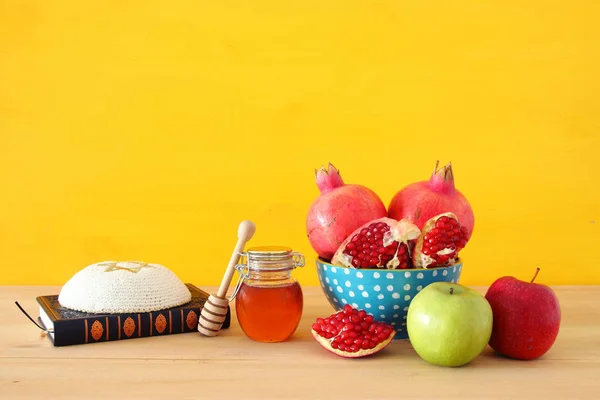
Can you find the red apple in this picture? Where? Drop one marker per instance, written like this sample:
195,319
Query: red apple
526,317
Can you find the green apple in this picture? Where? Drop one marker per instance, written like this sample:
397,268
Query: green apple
449,324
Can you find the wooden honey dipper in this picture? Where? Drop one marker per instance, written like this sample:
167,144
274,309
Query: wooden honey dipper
214,311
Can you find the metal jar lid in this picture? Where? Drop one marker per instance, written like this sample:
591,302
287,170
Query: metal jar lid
271,258
269,253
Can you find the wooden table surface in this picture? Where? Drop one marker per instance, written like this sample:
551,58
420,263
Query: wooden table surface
231,365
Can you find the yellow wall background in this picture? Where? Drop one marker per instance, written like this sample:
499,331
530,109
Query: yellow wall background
149,130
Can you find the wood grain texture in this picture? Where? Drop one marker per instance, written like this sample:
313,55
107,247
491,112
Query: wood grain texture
232,366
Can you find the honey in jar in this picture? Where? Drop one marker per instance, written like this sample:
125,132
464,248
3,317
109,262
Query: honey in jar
268,300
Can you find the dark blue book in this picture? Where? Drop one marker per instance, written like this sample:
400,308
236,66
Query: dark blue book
69,327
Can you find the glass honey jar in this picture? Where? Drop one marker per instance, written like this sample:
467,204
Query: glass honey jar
268,300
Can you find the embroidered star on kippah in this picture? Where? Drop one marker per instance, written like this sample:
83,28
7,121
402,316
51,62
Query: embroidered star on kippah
135,268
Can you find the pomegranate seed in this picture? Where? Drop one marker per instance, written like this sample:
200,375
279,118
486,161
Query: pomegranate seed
441,240
351,330
366,250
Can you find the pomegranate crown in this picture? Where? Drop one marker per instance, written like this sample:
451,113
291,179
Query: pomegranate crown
328,178
442,178
445,172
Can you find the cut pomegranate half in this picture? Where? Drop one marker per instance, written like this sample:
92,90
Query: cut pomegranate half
352,333
381,243
439,243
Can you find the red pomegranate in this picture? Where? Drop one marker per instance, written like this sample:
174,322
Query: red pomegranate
440,241
352,333
381,243
338,211
421,201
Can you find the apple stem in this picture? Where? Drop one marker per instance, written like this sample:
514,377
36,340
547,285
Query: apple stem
536,274
451,290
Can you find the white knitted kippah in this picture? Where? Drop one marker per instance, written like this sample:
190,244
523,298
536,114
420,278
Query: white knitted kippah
122,287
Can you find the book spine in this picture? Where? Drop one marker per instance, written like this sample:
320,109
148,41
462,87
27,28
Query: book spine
126,326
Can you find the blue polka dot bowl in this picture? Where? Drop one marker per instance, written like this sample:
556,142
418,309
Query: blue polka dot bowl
383,293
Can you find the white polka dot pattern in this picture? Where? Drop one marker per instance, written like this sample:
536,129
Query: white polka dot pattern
380,290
